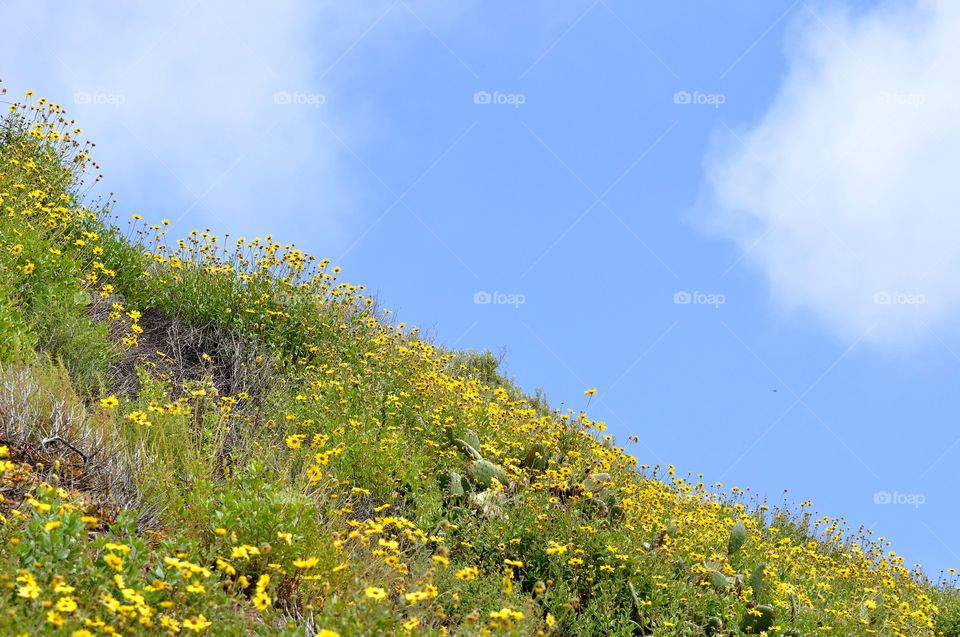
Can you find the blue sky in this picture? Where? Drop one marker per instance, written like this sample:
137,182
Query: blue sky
731,218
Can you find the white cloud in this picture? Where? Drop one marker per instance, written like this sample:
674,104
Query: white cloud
845,194
180,97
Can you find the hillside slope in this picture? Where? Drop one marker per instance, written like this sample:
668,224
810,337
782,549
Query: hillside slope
215,435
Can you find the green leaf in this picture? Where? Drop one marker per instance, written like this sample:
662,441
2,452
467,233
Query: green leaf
738,537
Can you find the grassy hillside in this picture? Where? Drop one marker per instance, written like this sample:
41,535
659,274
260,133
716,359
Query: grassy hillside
215,435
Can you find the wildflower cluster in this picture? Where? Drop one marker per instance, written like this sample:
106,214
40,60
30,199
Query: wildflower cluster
292,460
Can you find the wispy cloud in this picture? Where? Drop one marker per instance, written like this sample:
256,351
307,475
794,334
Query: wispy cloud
844,194
210,111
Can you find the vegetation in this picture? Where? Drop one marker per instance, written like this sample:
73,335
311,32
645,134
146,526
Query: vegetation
216,435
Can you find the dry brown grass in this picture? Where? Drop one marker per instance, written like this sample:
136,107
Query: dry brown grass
47,425
173,349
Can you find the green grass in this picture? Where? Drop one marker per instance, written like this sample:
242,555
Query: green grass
253,447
